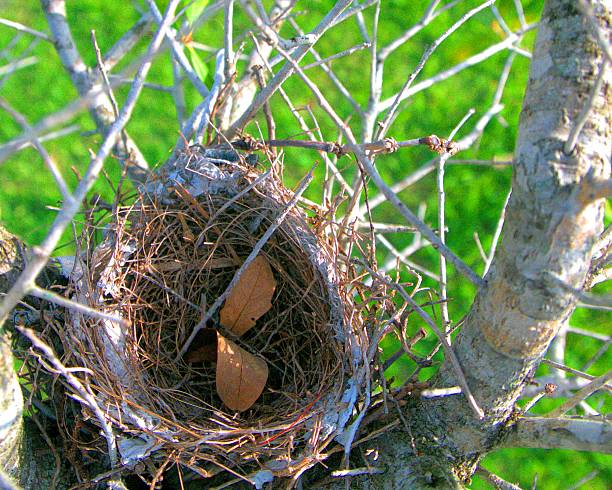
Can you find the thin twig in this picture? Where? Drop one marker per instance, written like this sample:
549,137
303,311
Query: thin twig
496,481
497,235
49,162
384,127
581,395
573,371
22,28
441,336
288,68
84,392
377,179
228,51
55,298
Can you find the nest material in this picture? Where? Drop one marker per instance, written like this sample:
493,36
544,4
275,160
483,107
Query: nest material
164,261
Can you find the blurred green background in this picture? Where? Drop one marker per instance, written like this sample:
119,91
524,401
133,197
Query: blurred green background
475,194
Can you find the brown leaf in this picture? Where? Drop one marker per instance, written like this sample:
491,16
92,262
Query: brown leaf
241,377
250,298
204,347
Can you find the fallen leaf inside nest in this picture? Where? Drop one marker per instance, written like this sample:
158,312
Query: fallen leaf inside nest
241,377
204,347
250,298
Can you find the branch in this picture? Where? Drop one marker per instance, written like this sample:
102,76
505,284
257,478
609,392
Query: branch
561,433
582,394
401,95
86,83
21,28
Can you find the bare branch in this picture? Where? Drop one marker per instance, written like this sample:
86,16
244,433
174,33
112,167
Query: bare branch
595,385
125,44
84,393
561,433
471,61
401,95
448,350
86,84
178,52
21,28
49,162
496,481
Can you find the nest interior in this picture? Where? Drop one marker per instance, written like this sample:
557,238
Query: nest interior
186,252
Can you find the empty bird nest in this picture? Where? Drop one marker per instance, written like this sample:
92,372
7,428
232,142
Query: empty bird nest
236,348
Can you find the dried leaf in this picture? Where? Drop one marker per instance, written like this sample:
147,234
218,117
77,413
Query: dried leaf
250,298
204,347
241,377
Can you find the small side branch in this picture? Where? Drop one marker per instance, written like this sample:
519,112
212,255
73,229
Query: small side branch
561,433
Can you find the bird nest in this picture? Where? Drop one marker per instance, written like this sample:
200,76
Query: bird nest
165,267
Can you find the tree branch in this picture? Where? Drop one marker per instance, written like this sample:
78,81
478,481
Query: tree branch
86,83
561,433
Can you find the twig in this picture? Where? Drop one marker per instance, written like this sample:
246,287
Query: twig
441,336
341,54
471,61
288,68
329,72
575,372
256,249
13,66
375,176
84,392
587,333
581,395
22,28
497,235
426,55
178,94
178,53
49,162
442,226
496,481
126,42
228,52
73,305
366,470
201,115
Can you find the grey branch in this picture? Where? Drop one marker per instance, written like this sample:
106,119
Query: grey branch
561,433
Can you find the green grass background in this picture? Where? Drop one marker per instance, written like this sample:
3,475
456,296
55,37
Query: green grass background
475,195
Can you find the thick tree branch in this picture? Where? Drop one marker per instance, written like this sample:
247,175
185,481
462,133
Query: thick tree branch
561,433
